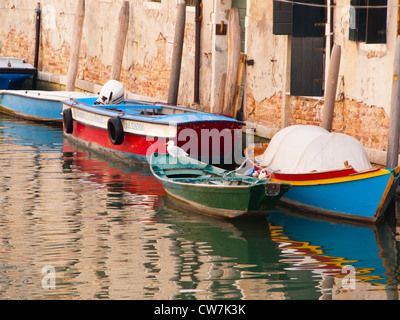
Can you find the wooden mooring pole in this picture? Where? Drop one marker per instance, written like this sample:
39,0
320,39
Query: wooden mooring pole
177,53
75,46
330,88
122,31
394,126
234,48
198,19
219,106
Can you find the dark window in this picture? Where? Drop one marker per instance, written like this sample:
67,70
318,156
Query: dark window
309,20
307,74
299,20
306,23
368,21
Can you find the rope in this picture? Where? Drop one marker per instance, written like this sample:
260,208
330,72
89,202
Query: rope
337,6
237,169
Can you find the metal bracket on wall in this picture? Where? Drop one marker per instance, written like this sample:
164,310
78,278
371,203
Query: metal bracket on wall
221,29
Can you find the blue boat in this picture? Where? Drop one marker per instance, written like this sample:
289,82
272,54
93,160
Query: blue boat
330,173
42,106
14,71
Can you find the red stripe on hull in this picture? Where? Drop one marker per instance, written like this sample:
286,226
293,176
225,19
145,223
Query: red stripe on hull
314,175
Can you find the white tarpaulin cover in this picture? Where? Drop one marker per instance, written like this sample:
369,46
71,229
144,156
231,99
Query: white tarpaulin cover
306,148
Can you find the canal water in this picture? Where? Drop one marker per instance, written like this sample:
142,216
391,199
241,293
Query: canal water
75,225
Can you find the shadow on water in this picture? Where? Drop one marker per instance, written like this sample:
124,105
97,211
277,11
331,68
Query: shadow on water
110,232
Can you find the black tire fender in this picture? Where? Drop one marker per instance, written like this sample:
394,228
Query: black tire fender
115,131
68,120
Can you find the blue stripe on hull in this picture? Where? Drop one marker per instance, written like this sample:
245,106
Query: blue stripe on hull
33,107
359,197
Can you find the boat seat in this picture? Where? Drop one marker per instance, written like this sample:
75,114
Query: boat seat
133,109
213,179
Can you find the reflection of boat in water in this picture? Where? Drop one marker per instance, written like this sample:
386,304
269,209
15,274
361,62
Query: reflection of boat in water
282,257
127,185
328,249
30,134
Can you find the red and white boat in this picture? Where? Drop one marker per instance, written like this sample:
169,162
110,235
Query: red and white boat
133,129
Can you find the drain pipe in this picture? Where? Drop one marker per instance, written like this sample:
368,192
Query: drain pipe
37,45
198,20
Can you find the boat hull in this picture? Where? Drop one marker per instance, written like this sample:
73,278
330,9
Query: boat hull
13,72
344,193
214,191
358,198
143,136
41,106
218,202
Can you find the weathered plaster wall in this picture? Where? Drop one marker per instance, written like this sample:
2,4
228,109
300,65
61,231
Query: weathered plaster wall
148,50
364,89
366,69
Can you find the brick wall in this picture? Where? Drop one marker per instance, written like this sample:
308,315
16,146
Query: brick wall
368,124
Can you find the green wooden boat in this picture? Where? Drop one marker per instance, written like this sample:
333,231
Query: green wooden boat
211,190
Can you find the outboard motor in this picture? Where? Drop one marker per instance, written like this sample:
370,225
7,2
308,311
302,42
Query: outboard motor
111,93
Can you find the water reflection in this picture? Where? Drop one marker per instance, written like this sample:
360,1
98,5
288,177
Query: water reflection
342,261
109,232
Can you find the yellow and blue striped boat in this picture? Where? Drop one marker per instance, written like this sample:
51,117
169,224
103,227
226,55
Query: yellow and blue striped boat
357,195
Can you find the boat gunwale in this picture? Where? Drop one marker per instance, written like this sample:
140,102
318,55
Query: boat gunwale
345,174
256,182
73,103
26,94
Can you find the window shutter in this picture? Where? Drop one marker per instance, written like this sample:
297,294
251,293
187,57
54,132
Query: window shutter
282,18
307,63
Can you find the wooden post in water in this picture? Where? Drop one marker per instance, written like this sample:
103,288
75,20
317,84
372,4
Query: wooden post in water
234,48
75,46
198,19
123,23
177,53
330,88
238,84
392,157
394,124
219,106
